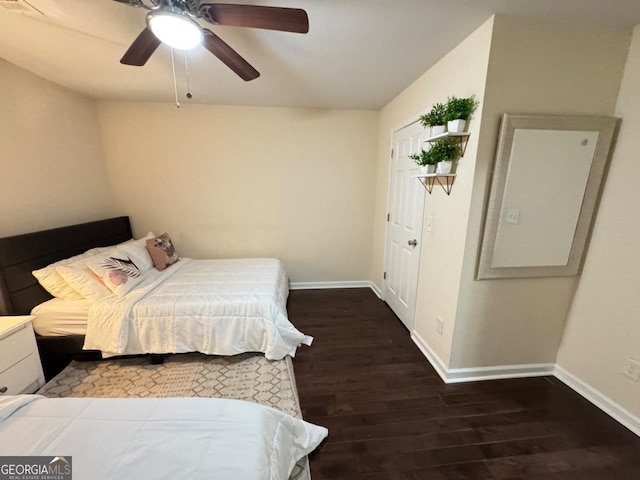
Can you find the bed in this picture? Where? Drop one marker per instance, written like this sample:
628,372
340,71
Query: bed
249,376
166,438
221,307
216,307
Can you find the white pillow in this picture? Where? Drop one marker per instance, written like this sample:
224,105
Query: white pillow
117,271
82,279
54,283
138,253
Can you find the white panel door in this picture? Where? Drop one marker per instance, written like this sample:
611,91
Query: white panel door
404,228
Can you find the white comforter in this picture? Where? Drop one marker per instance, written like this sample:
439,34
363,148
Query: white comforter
216,307
167,438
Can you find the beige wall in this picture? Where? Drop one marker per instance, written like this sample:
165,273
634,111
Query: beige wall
462,73
603,327
51,162
242,181
534,68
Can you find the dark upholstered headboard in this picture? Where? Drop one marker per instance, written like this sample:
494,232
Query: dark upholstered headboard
19,255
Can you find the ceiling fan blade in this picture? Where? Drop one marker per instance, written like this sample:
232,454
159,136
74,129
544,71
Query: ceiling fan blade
271,18
141,49
229,56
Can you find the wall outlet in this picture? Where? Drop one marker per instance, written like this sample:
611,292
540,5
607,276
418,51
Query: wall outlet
439,325
513,216
631,369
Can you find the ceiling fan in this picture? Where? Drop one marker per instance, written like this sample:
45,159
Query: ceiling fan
173,22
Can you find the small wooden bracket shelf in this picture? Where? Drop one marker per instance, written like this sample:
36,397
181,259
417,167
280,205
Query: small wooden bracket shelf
444,180
463,138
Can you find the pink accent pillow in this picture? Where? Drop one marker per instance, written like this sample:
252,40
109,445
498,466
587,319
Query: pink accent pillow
162,251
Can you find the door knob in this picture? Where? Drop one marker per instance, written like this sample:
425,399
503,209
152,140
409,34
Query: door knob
413,242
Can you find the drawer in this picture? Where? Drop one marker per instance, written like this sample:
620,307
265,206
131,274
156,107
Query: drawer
21,376
15,347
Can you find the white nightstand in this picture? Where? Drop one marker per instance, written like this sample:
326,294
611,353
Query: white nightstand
20,367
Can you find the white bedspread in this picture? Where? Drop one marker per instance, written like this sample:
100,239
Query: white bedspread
216,307
167,438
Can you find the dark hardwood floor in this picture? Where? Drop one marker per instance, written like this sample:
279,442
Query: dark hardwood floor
390,417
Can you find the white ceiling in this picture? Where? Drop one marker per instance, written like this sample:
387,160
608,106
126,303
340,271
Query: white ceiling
358,53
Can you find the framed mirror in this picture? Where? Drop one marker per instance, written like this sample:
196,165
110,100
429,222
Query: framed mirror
545,187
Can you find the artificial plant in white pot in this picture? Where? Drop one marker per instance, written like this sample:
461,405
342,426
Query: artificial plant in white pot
458,111
444,152
434,119
425,160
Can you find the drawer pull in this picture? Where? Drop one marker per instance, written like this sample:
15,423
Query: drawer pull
4,389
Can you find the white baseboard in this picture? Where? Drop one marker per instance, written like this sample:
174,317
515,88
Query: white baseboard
346,284
435,361
376,289
320,285
604,403
526,370
459,375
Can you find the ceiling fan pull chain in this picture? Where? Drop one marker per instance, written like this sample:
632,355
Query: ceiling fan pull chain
175,85
186,67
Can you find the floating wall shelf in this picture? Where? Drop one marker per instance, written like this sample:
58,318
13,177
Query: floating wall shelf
462,137
444,180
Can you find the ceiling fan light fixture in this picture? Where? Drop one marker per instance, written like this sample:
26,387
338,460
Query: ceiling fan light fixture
175,29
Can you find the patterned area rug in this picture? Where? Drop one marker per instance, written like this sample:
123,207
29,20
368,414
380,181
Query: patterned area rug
248,377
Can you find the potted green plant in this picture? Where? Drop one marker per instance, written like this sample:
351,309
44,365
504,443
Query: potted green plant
425,160
458,111
443,153
434,119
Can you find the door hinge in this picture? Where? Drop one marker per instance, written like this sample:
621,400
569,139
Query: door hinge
384,276
392,153
388,216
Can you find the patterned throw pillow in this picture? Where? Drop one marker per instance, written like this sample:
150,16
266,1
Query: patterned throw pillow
119,273
162,251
